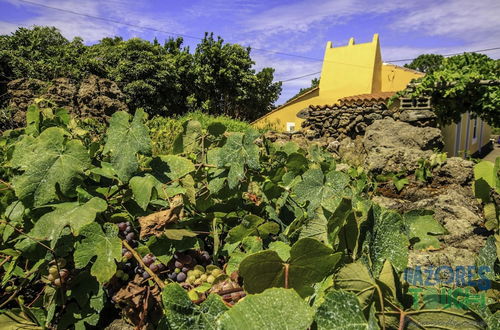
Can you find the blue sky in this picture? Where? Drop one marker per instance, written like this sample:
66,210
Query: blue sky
300,27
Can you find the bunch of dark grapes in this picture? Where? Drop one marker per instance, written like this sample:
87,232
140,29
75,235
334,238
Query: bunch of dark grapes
183,265
128,234
154,265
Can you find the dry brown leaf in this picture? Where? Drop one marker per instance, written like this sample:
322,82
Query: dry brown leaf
154,223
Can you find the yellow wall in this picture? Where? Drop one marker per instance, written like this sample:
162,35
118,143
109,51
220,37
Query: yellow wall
465,130
395,78
347,70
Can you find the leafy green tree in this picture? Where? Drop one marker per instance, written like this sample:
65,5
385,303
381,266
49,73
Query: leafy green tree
314,84
463,83
41,53
426,63
167,79
225,82
148,73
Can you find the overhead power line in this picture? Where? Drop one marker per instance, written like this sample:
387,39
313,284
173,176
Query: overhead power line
111,20
402,60
106,19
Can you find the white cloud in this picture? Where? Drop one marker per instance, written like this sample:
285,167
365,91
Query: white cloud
92,29
465,19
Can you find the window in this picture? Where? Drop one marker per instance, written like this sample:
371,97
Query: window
474,130
290,127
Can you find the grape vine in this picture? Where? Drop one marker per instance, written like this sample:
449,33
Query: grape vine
230,231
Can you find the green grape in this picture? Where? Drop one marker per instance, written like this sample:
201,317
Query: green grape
61,262
53,270
190,273
191,279
51,277
203,277
197,273
9,288
57,282
177,270
197,282
216,272
199,268
211,279
193,295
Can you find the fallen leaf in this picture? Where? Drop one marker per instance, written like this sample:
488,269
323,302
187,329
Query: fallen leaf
154,223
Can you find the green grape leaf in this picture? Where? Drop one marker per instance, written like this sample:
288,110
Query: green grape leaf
125,140
492,216
388,240
187,141
105,245
247,227
319,190
171,167
76,216
276,309
239,150
281,248
310,261
434,319
142,187
10,320
182,313
487,257
356,277
425,228
249,245
340,310
48,161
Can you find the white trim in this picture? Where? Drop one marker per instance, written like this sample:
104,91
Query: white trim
476,126
290,126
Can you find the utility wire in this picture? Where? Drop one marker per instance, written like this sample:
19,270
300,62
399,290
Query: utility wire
198,38
402,60
106,19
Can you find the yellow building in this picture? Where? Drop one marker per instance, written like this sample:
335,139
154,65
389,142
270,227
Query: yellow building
358,69
347,70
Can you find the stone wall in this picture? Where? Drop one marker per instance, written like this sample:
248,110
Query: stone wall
351,120
93,97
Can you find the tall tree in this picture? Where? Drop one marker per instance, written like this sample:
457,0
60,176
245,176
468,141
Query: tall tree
426,63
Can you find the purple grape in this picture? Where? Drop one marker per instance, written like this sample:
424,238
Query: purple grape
172,276
130,237
161,267
178,264
147,260
145,275
128,229
122,226
154,268
181,277
184,269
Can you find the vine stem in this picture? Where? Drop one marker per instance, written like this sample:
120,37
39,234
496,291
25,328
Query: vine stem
286,275
143,265
9,186
402,317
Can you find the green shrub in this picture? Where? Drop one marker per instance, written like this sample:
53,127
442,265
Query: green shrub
165,129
